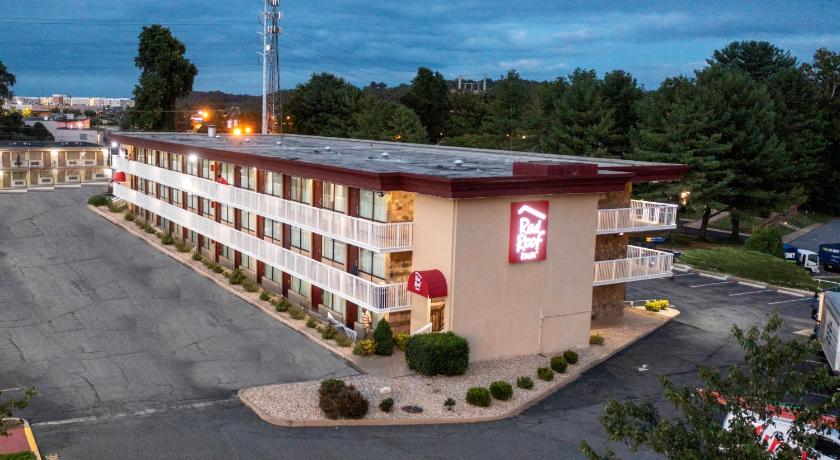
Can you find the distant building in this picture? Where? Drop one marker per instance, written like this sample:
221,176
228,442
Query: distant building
68,128
33,165
45,104
463,85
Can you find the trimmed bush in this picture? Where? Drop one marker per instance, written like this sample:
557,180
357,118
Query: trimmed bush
311,323
250,286
449,403
559,364
478,396
656,305
265,296
282,305
596,339
328,333
364,347
386,404
501,390
167,239
400,339
296,312
116,208
236,276
545,373
129,217
343,341
524,382
384,338
339,400
149,229
571,356
218,268
437,353
98,200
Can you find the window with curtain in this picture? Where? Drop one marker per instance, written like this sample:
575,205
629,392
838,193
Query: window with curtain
273,183
301,239
333,250
334,302
372,263
227,213
249,221
301,190
301,287
335,197
247,178
372,205
273,274
176,162
272,229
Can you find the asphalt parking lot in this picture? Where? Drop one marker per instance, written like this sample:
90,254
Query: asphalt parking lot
143,363
103,325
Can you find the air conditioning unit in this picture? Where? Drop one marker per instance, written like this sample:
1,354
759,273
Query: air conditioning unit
34,163
45,180
72,178
18,183
99,176
72,162
90,162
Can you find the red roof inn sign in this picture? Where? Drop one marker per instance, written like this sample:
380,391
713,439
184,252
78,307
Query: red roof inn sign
528,231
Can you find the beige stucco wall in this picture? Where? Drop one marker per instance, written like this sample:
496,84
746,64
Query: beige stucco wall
496,305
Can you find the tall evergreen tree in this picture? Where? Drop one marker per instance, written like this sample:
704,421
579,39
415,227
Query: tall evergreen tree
428,97
760,60
467,113
621,93
507,104
165,76
406,126
324,106
582,123
824,72
7,80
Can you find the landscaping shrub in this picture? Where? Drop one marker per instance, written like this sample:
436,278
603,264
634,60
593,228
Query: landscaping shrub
250,286
296,312
129,217
116,208
236,276
328,333
265,296
596,339
160,235
339,400
182,247
571,356
98,200
364,347
400,338
343,341
524,382
767,240
386,404
167,239
501,390
311,323
218,268
559,364
149,229
449,403
656,305
545,373
282,305
384,338
478,396
437,353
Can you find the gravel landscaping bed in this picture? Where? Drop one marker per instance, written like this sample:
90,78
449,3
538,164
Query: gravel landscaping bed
297,403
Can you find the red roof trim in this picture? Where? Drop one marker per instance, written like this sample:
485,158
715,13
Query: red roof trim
474,187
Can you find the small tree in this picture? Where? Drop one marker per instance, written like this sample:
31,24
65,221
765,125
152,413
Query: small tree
775,373
7,407
767,240
384,338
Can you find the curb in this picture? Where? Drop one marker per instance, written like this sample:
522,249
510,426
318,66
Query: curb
30,438
199,269
513,412
748,282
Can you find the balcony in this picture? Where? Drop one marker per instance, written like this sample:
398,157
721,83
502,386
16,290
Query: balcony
640,264
375,297
375,236
639,217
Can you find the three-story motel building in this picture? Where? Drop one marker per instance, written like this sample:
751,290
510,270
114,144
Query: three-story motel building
518,252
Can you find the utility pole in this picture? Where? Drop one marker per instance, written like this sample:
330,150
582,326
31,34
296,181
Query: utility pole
271,103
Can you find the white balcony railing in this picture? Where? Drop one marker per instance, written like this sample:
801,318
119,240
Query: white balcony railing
379,237
640,216
640,264
375,297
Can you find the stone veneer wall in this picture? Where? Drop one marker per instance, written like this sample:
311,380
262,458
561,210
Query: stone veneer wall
397,266
400,321
400,206
608,301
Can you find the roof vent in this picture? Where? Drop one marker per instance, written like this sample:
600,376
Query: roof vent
218,136
384,155
279,143
459,162
327,148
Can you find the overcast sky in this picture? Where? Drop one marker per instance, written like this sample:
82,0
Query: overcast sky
87,47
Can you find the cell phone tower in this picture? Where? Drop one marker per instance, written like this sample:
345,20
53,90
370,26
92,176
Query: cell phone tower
272,105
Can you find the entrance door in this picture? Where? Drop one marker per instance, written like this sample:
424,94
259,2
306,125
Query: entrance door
437,317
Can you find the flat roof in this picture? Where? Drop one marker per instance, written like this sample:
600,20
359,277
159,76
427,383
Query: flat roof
399,166
45,144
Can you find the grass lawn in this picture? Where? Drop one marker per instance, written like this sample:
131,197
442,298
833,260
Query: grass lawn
806,218
749,264
747,223
18,456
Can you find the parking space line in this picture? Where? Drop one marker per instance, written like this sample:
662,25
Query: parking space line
711,284
714,277
681,274
750,292
786,301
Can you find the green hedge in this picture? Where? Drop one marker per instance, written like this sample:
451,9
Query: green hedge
437,353
478,396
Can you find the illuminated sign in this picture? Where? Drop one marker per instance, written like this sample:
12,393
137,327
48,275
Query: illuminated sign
528,231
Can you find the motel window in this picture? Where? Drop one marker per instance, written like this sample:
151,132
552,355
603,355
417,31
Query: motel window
150,157
334,302
301,287
226,171
163,160
193,167
372,263
192,237
273,183
372,205
208,244
227,213
335,197
164,193
334,250
301,239
301,190
247,178
205,169
140,155
177,197
227,252
72,155
177,158
207,209
192,202
248,221
273,274
272,229
141,186
248,262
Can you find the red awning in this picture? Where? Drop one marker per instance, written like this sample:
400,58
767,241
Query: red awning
119,176
427,283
